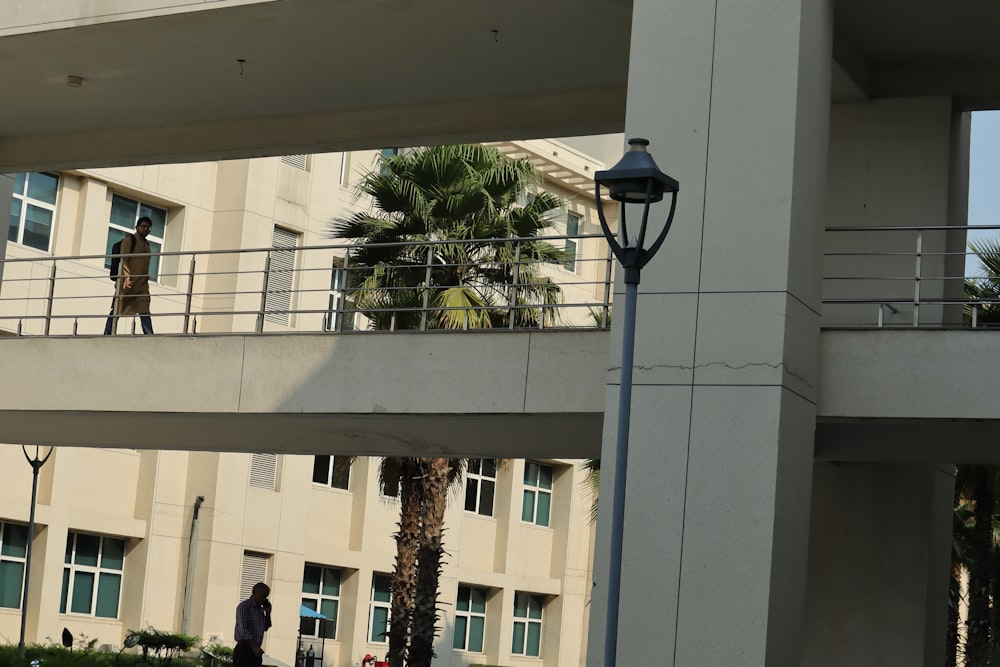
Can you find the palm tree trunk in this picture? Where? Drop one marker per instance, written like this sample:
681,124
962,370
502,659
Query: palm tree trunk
404,579
978,644
424,629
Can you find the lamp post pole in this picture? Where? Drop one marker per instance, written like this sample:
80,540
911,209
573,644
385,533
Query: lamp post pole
36,462
634,180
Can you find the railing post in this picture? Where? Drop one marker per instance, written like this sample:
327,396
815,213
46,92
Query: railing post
263,294
610,262
916,282
881,314
975,315
52,292
515,277
342,298
427,287
190,294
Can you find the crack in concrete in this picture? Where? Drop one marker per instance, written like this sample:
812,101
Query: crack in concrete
776,366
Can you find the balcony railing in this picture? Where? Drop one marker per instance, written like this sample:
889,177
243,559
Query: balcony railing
896,277
320,288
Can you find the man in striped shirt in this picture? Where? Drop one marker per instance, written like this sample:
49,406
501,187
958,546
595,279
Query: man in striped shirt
253,618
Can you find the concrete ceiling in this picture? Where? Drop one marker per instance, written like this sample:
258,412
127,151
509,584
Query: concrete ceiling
344,74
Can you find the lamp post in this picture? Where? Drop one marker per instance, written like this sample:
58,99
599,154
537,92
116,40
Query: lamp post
36,462
634,180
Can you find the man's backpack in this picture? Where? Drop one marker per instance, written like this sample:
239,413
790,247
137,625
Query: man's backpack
116,261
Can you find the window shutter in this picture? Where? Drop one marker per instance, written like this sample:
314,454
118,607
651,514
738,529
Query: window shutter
297,161
279,279
263,470
254,571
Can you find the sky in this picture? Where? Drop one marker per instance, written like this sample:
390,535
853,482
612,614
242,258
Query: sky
984,178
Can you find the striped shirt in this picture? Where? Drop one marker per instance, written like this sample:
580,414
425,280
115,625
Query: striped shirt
251,622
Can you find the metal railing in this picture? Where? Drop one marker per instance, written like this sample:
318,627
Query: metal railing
496,284
896,277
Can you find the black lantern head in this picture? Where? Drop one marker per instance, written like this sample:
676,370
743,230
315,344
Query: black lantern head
636,179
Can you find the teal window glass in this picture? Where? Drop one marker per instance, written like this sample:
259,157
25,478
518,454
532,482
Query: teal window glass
528,506
534,639
517,645
37,227
108,592
328,627
478,600
380,625
11,582
83,592
331,582
311,580
307,626
545,477
87,549
382,588
113,553
572,229
461,632
536,502
477,628
542,512
43,187
15,540
15,220
65,592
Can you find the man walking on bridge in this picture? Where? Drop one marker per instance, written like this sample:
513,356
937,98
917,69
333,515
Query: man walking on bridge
133,284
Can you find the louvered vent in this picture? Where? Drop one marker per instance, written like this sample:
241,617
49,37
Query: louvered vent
262,470
297,161
254,571
281,276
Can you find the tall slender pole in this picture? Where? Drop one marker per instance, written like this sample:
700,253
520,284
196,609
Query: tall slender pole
36,463
621,473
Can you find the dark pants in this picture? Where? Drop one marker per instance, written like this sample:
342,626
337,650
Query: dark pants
243,655
144,321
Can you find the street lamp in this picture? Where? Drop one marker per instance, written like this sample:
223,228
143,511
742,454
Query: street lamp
36,462
634,180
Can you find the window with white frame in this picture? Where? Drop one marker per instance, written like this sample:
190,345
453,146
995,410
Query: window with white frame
92,575
536,503
572,229
124,213
333,471
378,611
338,315
470,618
480,486
320,593
527,639
33,209
13,550
280,276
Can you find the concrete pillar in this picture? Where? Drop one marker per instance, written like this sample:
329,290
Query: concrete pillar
6,197
879,560
734,98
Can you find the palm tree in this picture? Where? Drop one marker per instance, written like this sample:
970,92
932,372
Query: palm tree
986,286
436,254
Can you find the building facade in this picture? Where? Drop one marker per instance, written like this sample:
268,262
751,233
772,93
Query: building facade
129,539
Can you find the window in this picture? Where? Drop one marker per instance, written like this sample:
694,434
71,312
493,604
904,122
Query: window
13,549
263,471
124,213
92,577
320,592
337,319
386,153
378,613
254,571
32,210
333,471
527,624
480,484
470,618
572,229
537,500
280,275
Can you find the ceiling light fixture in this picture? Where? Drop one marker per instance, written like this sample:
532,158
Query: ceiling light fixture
74,81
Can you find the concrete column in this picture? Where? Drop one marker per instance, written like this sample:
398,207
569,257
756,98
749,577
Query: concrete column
734,98
879,560
6,197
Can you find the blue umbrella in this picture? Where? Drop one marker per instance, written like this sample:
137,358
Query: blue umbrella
306,612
